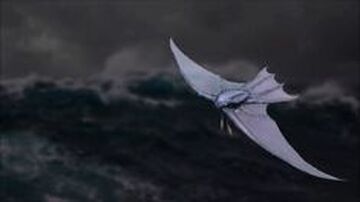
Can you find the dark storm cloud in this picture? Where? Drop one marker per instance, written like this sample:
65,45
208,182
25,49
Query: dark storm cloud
306,41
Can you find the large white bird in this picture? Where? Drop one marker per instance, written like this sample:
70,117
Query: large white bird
245,104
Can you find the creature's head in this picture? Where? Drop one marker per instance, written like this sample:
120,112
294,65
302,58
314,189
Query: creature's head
231,98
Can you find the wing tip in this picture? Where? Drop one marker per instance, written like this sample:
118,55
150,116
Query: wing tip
173,46
172,43
330,177
177,51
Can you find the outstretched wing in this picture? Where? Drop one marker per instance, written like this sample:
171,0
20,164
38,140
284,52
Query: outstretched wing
205,83
265,89
258,125
251,117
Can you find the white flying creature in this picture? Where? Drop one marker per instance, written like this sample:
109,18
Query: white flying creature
245,104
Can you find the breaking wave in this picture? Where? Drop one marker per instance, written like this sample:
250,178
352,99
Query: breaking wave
152,140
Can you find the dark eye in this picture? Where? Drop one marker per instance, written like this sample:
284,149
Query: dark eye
233,105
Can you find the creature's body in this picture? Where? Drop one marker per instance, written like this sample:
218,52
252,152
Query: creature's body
245,104
232,98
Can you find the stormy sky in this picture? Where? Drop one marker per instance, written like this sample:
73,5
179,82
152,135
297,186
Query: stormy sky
306,42
93,108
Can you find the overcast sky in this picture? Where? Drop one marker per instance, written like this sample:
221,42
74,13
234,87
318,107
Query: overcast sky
305,42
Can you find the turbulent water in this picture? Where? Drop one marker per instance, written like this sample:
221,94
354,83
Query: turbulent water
70,144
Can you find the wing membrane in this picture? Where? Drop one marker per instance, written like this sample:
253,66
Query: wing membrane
258,125
251,117
205,83
266,89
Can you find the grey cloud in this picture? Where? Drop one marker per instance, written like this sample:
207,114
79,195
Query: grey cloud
239,70
303,40
34,47
135,62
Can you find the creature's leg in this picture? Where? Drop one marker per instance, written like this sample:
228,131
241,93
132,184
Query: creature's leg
221,122
228,127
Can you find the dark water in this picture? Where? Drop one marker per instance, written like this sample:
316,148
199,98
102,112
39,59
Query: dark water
68,145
